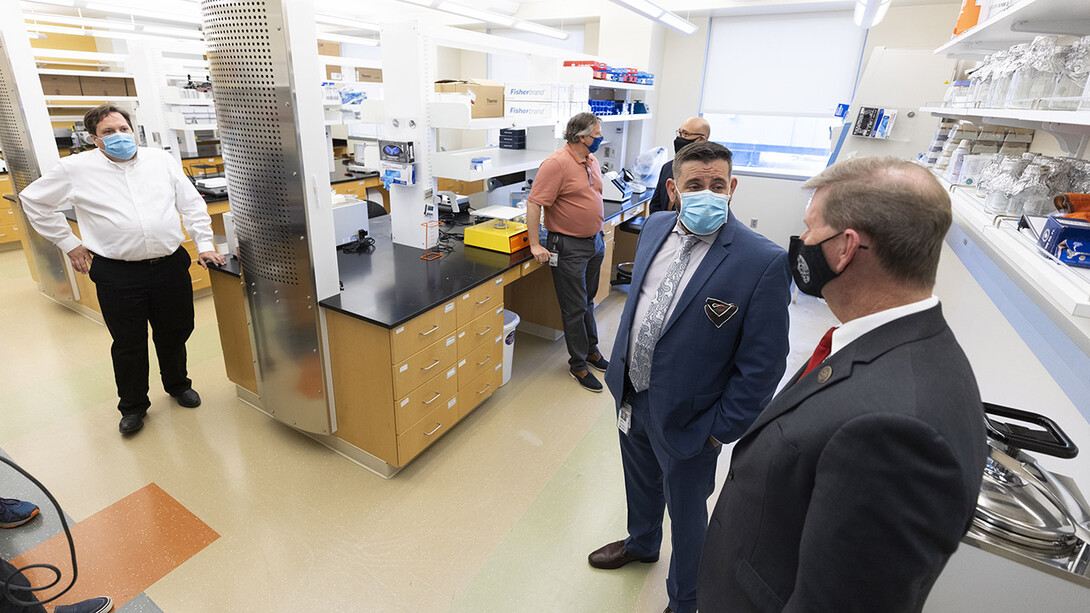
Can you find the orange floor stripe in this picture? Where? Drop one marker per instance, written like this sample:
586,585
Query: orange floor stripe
123,549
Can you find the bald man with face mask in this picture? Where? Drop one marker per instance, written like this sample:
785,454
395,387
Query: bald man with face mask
692,130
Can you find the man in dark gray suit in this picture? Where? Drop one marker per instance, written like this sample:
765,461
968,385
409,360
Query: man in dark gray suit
856,483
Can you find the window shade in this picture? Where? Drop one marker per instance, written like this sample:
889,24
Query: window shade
801,64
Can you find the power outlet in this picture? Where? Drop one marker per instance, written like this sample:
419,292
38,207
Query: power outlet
753,223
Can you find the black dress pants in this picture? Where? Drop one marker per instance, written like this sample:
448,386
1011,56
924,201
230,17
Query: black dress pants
20,589
575,277
132,295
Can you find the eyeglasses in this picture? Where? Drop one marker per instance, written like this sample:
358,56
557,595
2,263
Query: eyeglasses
690,135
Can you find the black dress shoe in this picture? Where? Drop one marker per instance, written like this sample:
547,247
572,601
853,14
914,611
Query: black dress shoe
614,555
587,380
188,399
598,362
131,423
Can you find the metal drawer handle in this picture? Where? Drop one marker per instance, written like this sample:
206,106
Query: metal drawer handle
480,302
485,388
485,331
434,430
486,360
433,329
433,365
434,398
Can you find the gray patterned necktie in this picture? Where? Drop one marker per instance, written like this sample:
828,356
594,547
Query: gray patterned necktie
640,369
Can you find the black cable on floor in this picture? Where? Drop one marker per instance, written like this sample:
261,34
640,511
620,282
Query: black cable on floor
8,587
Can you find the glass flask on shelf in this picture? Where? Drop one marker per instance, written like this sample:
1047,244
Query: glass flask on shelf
1035,77
1010,62
1071,79
999,187
1031,194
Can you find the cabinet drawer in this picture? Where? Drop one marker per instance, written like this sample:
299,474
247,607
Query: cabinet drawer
10,234
479,390
427,431
607,232
530,266
480,331
436,392
425,364
479,300
355,188
484,358
421,331
7,216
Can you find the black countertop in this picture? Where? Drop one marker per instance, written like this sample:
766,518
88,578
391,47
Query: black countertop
343,175
392,285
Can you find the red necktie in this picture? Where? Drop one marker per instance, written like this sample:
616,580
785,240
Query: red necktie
822,352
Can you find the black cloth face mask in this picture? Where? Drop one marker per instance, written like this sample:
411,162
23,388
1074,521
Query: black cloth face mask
679,143
809,267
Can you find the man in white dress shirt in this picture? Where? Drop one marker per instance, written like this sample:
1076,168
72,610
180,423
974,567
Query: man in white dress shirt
128,201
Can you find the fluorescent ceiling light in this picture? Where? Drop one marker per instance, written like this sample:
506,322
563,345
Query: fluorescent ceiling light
476,13
352,40
650,9
347,23
536,28
427,3
868,13
671,20
51,2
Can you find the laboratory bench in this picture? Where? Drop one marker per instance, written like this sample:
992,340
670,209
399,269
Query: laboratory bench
414,345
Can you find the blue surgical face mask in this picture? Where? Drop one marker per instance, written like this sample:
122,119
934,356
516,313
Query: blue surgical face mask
120,145
705,211
597,142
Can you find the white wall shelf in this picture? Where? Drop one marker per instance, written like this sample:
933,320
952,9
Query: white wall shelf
630,117
191,101
1020,24
456,164
91,98
84,73
1071,128
1068,288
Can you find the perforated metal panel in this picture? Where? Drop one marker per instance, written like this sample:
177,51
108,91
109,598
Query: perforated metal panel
252,83
46,262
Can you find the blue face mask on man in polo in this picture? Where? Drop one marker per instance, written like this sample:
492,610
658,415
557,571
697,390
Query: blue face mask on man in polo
597,142
120,145
705,211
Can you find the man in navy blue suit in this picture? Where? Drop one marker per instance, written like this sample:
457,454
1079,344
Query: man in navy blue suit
701,346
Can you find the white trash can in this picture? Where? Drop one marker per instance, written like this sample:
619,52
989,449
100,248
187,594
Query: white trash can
510,322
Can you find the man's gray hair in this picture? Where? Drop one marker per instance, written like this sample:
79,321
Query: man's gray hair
579,126
898,204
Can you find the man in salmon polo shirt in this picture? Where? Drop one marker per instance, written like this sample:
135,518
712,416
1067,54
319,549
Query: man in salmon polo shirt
568,188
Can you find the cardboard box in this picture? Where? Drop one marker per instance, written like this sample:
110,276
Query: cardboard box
103,86
528,109
485,97
464,188
1067,239
61,85
369,75
329,48
541,92
130,87
333,73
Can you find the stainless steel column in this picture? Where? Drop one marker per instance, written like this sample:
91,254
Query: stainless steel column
269,113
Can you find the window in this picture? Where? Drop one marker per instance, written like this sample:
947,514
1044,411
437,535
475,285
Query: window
772,84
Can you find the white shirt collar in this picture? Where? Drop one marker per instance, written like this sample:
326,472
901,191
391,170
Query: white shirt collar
856,328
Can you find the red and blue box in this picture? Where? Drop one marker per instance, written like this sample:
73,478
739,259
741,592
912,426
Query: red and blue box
1067,239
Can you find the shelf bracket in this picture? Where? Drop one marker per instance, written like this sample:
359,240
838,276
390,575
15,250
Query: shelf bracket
1067,27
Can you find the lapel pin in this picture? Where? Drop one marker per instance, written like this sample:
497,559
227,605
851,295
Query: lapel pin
718,311
825,373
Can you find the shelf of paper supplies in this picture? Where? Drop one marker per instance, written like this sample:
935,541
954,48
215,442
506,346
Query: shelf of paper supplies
1031,17
457,164
1054,118
456,115
1065,287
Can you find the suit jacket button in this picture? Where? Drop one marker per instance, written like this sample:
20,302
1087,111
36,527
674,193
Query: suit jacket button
824,374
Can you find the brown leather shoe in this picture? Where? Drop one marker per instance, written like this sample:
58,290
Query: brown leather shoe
614,555
667,610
